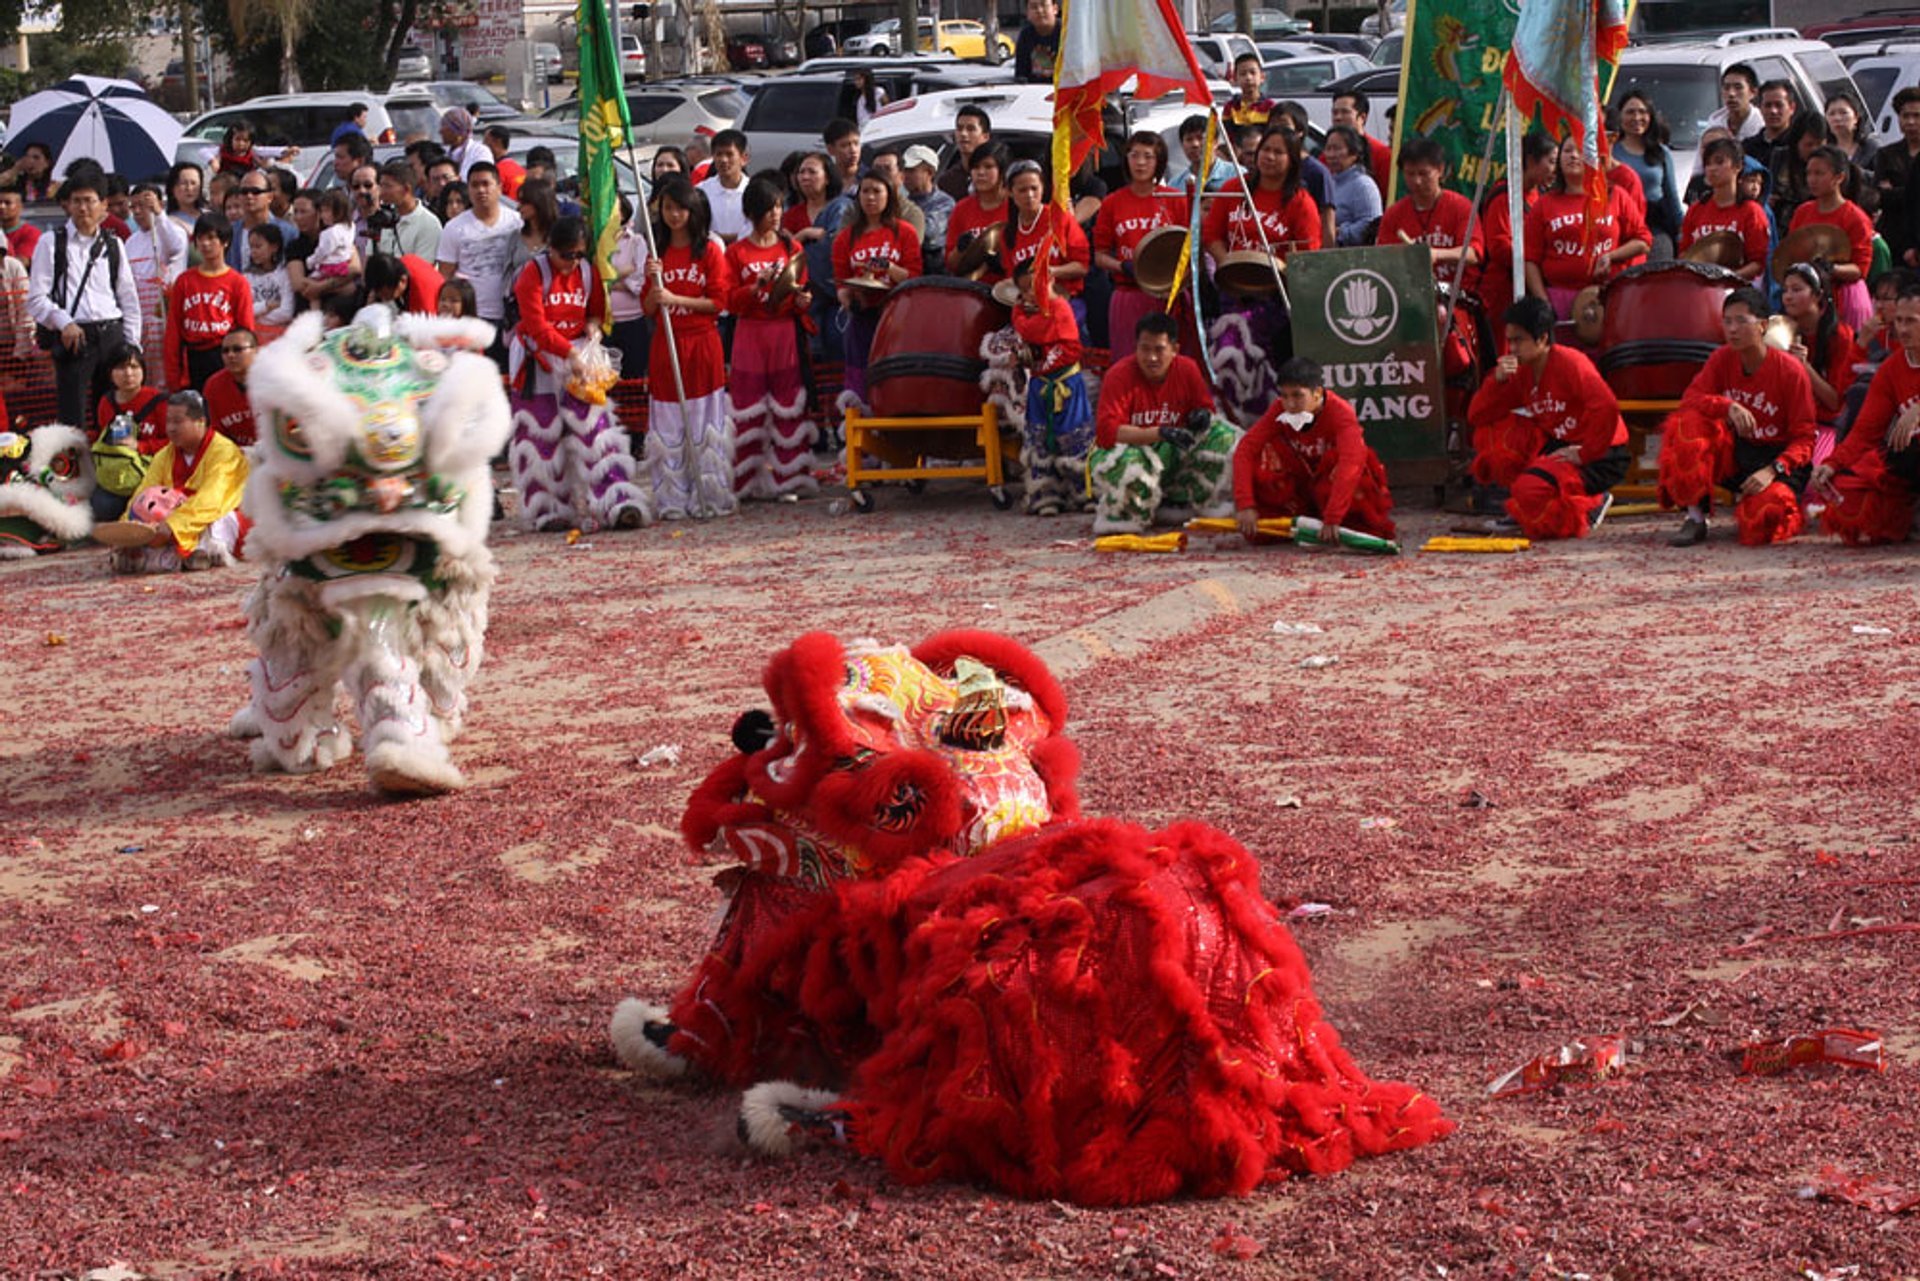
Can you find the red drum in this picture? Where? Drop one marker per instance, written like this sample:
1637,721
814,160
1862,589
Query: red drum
926,360
1662,322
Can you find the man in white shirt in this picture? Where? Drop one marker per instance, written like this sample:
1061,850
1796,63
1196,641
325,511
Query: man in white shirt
456,135
476,245
90,305
727,185
1739,86
415,230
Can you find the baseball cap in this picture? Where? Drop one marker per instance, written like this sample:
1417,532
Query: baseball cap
919,155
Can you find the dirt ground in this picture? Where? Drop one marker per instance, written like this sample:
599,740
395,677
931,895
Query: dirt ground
266,1026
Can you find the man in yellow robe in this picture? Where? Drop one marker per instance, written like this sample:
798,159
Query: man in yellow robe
202,529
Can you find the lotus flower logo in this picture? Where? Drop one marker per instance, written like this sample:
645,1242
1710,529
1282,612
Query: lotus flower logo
1362,307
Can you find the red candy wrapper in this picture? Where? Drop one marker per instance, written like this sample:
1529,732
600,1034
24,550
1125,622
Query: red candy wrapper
1842,1047
1585,1062
1835,1184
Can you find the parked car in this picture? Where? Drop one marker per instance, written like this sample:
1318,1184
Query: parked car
480,103
412,63
547,61
1396,20
633,57
960,37
1899,22
171,91
1333,42
1380,84
1216,51
1268,24
882,39
828,38
566,156
745,51
309,119
1880,70
1294,77
788,112
1389,51
1684,78
668,111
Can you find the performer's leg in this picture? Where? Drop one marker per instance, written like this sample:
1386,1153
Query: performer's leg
747,393
600,464
537,464
1550,501
667,459
1201,478
450,628
298,662
1872,505
710,455
1371,510
1126,489
791,433
399,733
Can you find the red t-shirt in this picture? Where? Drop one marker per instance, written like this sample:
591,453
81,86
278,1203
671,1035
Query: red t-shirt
424,281
1778,394
1127,398
691,275
148,408
1444,226
1292,223
1745,219
1623,178
1850,218
1052,332
967,218
201,310
1496,273
862,250
1570,400
21,240
1555,228
1334,430
1069,245
551,318
1125,219
1894,390
512,174
748,264
228,409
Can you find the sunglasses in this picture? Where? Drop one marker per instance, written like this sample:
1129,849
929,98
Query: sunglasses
235,351
253,191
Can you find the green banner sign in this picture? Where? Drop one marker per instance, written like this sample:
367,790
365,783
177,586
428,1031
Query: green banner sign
1450,75
1369,317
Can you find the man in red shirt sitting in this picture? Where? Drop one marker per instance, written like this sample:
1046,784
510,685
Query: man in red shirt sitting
1871,478
228,408
1156,439
1307,457
1548,425
1747,422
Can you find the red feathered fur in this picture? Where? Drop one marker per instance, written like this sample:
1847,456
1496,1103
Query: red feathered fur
1696,452
1875,506
1770,516
1502,450
1554,508
1049,1024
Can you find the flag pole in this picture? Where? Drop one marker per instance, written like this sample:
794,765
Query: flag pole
645,216
1247,182
1517,201
1473,212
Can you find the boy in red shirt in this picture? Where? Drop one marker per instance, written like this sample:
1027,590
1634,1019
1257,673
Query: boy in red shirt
1155,438
1431,215
228,407
1871,478
1548,425
1059,429
203,305
567,450
1746,422
1307,457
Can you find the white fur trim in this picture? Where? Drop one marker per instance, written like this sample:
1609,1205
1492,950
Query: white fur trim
399,769
422,330
762,1126
628,1030
62,508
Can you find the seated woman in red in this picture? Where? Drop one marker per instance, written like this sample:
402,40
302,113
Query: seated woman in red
1307,457
1827,172
1822,343
1746,422
1566,251
1724,209
1871,479
1548,426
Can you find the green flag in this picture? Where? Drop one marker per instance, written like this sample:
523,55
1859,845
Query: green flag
603,129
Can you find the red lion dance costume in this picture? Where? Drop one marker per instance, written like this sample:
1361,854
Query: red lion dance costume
930,956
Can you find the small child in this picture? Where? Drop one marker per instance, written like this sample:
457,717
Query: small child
267,276
339,309
129,426
1059,416
456,298
334,255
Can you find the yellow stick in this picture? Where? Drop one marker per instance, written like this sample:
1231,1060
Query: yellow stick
1279,526
1481,545
1172,541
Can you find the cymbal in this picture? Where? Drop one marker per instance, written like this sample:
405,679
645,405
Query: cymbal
123,533
869,290
1589,316
978,249
1156,258
1721,248
1249,273
1815,240
1007,294
782,283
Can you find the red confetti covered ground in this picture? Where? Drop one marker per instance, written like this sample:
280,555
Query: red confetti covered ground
267,1026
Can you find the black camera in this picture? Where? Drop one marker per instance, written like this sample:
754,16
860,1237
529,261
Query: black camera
385,218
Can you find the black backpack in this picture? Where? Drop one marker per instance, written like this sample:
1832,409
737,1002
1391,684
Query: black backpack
105,242
510,301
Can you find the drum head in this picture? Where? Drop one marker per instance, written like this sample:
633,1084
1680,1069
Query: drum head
123,533
1156,258
1721,248
1248,273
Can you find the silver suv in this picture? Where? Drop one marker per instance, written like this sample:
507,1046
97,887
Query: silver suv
1683,79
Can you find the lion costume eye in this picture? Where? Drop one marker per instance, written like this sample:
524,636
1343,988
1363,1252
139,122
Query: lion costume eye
290,436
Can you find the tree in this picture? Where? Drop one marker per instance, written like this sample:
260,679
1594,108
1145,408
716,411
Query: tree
908,12
1243,16
252,19
343,44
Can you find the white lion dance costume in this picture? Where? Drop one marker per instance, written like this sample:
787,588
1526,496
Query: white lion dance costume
370,500
46,484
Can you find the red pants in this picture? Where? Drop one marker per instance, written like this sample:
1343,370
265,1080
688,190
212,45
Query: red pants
1875,505
1502,450
1698,452
1282,486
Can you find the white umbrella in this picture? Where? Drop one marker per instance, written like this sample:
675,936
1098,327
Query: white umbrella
90,118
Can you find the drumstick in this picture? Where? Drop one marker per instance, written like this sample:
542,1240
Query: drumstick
1405,239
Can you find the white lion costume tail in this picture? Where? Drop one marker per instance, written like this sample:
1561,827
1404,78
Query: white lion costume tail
370,497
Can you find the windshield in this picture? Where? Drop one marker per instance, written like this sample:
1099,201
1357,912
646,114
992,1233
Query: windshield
414,120
1687,96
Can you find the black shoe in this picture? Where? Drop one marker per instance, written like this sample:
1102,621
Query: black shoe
1692,533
